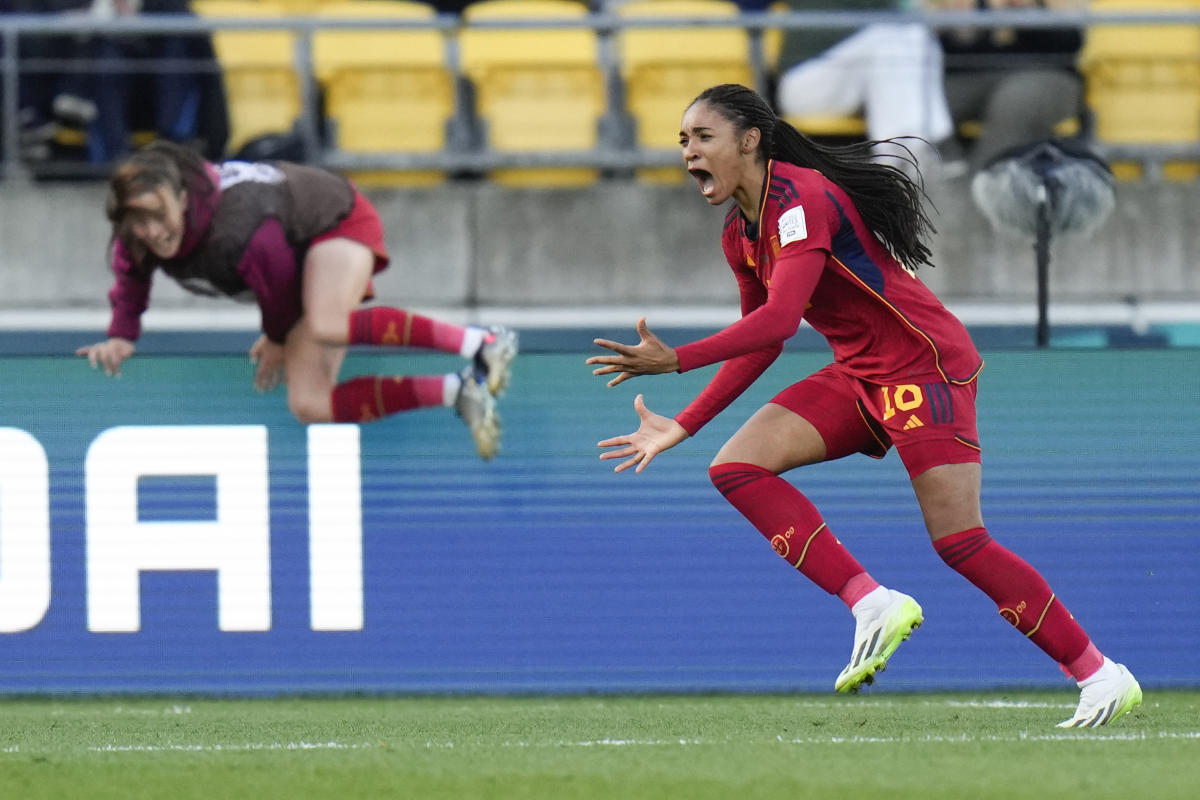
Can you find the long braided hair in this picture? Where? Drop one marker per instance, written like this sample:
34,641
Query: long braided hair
889,201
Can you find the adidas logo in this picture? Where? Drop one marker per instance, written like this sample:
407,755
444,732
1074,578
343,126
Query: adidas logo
913,422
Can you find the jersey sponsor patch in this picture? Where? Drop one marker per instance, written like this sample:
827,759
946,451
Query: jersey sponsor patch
792,227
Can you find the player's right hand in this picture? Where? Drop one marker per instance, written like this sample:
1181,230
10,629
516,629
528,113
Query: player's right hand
655,434
267,358
108,355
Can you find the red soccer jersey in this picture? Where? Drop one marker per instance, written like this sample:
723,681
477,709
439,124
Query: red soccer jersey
810,256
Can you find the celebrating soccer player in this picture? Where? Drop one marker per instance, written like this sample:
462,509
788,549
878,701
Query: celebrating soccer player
304,244
834,237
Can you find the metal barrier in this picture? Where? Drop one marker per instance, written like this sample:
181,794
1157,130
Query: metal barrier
615,152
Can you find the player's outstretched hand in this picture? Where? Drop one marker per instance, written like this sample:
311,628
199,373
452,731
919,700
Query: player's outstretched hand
655,434
650,356
108,355
267,358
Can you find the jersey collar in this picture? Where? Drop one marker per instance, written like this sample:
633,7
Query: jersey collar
753,229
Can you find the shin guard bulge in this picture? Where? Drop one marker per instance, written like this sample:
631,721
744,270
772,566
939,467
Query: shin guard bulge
372,397
395,327
1018,590
792,525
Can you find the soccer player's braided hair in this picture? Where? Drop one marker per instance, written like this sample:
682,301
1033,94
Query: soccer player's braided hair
160,164
890,202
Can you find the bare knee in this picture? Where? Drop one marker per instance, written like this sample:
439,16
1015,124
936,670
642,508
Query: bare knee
310,408
328,329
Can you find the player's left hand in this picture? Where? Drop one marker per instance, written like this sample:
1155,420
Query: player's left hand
650,356
267,356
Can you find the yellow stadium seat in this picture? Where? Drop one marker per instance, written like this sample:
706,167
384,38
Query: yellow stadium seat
849,125
536,89
386,89
664,68
262,88
772,38
1143,81
301,7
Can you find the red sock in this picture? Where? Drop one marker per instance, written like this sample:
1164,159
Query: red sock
398,328
374,396
1020,592
794,527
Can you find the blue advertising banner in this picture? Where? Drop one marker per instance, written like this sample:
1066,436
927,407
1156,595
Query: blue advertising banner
173,531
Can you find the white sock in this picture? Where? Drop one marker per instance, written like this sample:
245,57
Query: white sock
451,383
472,340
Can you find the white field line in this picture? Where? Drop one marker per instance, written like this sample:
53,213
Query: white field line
1020,736
965,738
227,748
172,710
1016,736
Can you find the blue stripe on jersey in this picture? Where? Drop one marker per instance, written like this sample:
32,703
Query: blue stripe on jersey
848,249
783,190
731,218
784,185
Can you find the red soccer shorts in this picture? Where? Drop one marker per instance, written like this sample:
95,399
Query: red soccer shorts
930,424
361,225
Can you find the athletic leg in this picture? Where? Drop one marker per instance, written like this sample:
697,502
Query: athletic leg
492,350
746,471
336,275
949,500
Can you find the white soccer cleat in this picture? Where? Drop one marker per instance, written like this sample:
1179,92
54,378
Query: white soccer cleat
1105,696
477,408
493,360
882,622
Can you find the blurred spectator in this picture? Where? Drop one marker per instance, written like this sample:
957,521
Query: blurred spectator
44,92
95,93
891,73
454,7
187,98
1018,84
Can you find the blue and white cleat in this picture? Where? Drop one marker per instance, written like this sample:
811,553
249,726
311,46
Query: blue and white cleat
882,622
493,360
1105,696
477,408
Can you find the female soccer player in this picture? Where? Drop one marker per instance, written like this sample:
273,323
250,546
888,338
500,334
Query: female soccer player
303,243
831,236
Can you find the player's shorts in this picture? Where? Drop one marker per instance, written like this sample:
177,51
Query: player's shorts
362,225
930,424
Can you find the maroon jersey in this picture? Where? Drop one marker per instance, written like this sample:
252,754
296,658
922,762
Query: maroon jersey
810,256
245,237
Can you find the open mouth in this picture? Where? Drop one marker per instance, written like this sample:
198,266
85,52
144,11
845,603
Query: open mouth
704,179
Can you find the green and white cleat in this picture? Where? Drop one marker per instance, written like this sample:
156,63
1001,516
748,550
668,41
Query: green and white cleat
477,408
881,624
1106,696
493,360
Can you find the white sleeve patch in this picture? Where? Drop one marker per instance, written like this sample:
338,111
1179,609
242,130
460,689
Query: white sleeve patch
792,227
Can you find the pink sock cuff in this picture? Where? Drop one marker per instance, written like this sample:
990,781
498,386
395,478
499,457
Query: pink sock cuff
1086,665
857,588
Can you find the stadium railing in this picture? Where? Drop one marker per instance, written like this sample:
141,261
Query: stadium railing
615,151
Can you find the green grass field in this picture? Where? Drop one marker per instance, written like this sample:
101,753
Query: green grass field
973,746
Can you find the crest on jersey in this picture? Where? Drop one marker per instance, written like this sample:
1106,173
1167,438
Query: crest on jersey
792,227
